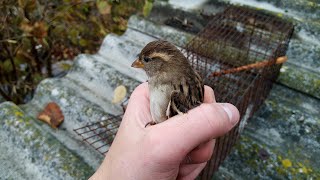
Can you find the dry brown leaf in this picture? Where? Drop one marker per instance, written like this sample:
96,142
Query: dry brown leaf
119,94
40,29
26,27
51,115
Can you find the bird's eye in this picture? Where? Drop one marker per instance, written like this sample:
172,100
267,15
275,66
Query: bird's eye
146,59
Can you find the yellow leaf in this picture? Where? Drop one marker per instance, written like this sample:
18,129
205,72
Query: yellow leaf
65,66
11,41
44,118
286,163
26,27
119,94
104,7
147,8
83,42
18,114
21,3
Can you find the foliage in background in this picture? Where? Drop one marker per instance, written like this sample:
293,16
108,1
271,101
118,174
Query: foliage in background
34,34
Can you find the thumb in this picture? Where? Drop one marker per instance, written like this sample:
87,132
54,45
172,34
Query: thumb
201,124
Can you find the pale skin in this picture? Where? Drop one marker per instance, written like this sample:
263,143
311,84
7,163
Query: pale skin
178,148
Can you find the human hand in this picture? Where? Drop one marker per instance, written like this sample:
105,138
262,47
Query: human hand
175,149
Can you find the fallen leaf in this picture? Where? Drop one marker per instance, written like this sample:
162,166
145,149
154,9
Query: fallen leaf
51,115
40,29
286,163
26,27
147,8
104,7
119,94
12,41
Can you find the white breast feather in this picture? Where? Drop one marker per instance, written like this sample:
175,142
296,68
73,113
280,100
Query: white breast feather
159,100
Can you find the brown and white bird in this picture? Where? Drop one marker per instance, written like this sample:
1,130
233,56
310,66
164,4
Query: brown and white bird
174,86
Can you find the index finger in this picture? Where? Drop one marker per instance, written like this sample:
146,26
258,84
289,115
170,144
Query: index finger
140,96
208,95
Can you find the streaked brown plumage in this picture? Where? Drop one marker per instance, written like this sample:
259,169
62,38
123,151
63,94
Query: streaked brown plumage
174,86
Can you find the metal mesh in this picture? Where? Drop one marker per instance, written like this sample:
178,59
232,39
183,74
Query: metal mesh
100,134
236,37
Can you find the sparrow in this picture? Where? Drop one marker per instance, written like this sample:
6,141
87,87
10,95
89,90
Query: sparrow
174,86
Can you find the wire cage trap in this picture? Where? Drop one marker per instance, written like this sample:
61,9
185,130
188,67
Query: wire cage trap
239,54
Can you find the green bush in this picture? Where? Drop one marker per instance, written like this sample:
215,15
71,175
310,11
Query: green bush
37,33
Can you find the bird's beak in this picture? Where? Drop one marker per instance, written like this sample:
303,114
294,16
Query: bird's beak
137,64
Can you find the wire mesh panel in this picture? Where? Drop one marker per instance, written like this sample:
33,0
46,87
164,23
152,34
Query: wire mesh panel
100,134
239,54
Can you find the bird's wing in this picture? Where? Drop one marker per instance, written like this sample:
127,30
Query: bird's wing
186,96
178,104
195,94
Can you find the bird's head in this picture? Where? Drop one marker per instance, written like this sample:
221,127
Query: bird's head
159,56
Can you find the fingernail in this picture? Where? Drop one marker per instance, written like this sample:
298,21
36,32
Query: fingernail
213,143
227,109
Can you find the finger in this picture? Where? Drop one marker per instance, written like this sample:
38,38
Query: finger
141,92
190,171
209,95
139,99
139,105
199,125
201,153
